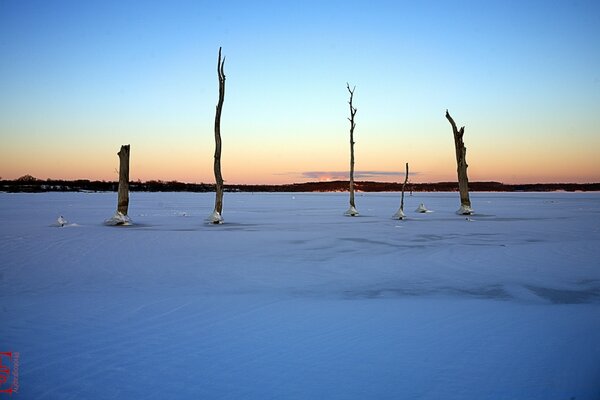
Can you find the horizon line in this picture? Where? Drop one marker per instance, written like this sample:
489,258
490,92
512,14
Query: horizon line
30,178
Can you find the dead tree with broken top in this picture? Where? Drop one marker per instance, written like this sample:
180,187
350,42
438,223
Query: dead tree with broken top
123,196
216,216
121,217
461,162
352,212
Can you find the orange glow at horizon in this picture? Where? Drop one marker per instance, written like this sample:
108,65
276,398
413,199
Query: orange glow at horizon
190,169
289,160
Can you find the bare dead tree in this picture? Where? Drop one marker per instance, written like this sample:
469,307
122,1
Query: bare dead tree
216,216
400,214
461,163
123,194
352,210
120,217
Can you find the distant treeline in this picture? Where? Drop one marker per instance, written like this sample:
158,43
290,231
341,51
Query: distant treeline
29,184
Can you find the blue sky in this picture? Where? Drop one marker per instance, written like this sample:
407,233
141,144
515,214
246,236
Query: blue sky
81,78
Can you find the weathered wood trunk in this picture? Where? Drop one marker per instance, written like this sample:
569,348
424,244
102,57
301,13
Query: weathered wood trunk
217,214
352,210
123,194
400,214
403,187
461,163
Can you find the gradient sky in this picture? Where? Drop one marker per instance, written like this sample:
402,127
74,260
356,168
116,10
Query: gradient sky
80,78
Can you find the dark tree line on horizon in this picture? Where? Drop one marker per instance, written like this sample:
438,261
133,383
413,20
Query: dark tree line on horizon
30,184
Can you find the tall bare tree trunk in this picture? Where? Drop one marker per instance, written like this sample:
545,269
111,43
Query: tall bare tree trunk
123,194
120,217
403,187
216,217
400,213
461,162
352,210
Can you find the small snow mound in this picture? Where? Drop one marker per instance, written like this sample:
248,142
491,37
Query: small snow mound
118,219
352,212
465,210
62,221
399,215
422,209
215,218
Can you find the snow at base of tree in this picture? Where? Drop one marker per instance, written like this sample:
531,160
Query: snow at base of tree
118,219
351,212
465,210
215,218
422,209
399,215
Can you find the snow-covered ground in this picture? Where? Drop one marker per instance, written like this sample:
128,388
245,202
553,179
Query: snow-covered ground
289,299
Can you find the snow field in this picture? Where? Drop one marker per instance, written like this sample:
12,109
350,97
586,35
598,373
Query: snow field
289,299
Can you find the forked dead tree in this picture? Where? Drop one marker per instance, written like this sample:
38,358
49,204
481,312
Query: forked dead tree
216,216
352,212
400,213
461,162
121,217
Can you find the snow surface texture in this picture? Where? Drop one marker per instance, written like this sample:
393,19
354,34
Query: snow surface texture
291,300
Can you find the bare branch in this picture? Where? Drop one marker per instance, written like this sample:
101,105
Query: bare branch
454,129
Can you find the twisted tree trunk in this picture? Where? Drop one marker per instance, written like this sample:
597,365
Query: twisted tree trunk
123,194
216,217
352,210
461,162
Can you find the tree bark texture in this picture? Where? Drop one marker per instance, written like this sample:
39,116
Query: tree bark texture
403,186
352,211
461,162
123,196
400,213
217,161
